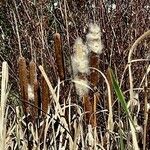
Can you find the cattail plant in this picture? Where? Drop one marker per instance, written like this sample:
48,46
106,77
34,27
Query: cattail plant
80,58
94,45
80,68
59,60
23,77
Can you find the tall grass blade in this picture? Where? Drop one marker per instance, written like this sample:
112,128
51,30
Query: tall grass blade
118,92
121,98
4,84
122,147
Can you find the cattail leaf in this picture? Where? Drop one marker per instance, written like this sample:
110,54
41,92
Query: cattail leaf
122,147
118,92
120,95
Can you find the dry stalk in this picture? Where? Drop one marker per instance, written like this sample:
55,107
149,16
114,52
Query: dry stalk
23,82
3,100
17,32
59,56
141,38
146,136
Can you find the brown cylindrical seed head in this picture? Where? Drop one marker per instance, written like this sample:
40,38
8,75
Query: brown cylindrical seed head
94,75
45,95
23,82
59,56
32,73
87,108
36,98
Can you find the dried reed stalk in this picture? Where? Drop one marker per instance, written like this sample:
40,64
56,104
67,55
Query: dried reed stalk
45,95
59,56
3,107
146,135
23,82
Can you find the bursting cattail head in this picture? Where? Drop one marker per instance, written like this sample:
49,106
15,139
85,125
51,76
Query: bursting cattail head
80,57
30,92
81,85
93,38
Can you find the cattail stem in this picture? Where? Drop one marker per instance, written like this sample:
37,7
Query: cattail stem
17,31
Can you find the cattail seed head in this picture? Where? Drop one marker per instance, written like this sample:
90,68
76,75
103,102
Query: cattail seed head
23,81
81,86
30,92
93,38
32,73
80,57
59,55
45,95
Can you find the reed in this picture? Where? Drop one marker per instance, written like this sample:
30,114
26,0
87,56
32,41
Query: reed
3,110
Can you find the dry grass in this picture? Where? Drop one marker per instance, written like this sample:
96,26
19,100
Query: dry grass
82,77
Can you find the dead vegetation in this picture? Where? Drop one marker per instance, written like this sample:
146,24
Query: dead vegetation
59,55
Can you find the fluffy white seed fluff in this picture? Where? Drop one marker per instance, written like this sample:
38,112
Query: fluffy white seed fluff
94,28
80,57
30,92
81,86
93,39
